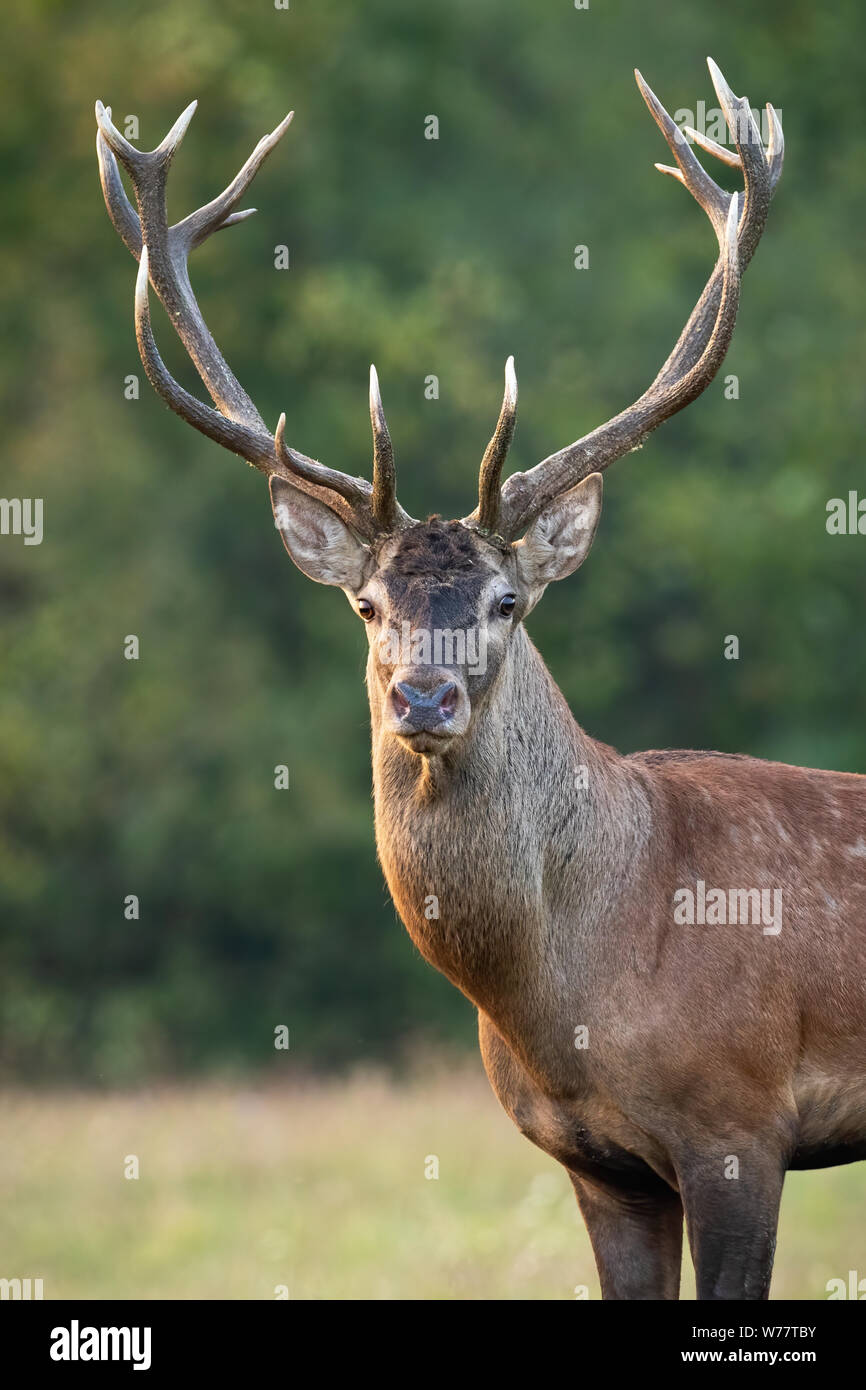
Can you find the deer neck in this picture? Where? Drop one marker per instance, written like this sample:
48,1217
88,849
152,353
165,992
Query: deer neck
503,855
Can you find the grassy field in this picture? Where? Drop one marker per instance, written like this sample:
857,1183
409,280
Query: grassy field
322,1189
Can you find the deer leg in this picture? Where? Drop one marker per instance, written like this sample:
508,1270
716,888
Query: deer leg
731,1205
637,1238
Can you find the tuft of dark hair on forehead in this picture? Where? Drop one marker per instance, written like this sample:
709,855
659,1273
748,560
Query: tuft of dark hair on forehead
435,547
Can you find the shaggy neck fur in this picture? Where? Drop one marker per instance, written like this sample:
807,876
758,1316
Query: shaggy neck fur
504,854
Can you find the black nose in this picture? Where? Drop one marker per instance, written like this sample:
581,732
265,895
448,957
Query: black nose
424,709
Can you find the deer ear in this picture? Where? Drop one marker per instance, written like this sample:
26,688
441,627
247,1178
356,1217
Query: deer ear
321,545
559,540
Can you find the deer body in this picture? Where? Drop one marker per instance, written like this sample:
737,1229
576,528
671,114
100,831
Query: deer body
556,910
676,1059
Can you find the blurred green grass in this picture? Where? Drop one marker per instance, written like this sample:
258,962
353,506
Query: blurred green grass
321,1187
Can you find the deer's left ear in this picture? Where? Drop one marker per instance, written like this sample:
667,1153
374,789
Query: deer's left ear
559,540
320,543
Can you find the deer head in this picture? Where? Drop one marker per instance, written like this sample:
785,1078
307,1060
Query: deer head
478,577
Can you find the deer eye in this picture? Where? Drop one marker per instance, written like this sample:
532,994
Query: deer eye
366,609
506,605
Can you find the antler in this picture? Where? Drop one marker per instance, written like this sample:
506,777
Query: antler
738,221
162,252
489,494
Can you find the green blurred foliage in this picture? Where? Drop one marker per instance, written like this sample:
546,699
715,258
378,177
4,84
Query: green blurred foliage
155,777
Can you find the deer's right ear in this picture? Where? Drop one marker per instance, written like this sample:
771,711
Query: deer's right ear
321,545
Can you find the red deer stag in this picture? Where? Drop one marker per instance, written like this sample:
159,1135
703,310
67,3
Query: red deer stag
675,1058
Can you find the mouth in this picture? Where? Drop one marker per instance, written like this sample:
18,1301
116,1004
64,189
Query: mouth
426,740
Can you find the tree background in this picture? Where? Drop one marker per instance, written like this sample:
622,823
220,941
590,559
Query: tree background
156,777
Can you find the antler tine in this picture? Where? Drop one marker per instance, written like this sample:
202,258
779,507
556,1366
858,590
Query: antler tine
356,491
757,191
216,215
775,147
701,346
123,215
384,472
162,252
375,509
487,515
729,157
689,172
